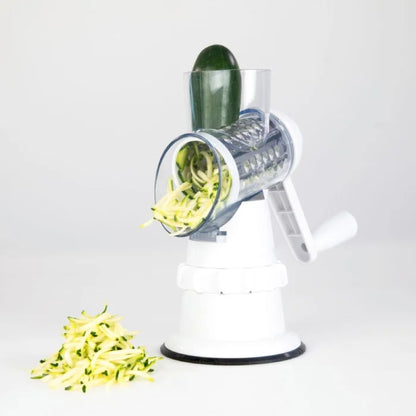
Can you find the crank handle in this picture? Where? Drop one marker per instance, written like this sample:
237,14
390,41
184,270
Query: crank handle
305,245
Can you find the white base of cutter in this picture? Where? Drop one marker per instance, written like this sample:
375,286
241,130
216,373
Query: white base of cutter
232,326
232,314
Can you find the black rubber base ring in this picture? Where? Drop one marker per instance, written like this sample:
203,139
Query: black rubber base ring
233,361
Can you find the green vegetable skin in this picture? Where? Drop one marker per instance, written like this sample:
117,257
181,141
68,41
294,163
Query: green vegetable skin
215,96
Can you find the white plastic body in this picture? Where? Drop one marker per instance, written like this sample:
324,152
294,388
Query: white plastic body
245,241
231,302
285,205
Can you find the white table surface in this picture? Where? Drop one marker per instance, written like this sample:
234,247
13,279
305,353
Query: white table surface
355,309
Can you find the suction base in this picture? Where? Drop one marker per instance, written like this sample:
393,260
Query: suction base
233,361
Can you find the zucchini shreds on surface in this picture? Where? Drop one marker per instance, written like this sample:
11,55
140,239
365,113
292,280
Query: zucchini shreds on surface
185,207
96,351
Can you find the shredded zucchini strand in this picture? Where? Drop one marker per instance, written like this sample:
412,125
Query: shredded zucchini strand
184,208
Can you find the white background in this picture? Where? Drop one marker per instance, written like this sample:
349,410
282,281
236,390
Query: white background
92,91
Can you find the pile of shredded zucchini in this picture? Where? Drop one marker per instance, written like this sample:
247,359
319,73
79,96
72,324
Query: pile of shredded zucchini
184,208
97,350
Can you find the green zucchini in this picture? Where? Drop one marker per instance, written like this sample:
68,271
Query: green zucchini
181,158
215,89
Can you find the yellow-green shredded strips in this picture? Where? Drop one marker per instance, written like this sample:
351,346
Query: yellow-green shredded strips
184,208
97,350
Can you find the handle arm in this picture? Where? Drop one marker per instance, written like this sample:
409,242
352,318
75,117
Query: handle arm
285,205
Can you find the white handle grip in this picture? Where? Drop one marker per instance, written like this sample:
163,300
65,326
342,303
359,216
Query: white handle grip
334,231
